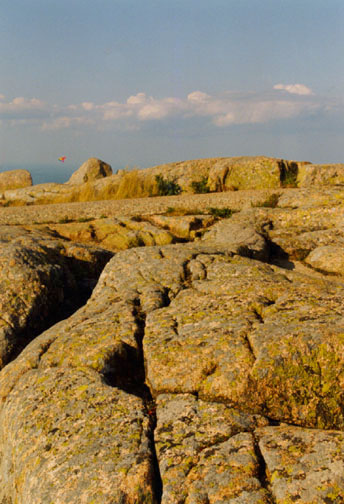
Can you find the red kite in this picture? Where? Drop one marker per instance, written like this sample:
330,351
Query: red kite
62,159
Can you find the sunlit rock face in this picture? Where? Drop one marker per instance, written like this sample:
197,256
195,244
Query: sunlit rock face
14,179
207,367
90,170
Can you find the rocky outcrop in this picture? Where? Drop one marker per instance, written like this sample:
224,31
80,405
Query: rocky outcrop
252,172
203,372
218,174
311,175
90,170
15,179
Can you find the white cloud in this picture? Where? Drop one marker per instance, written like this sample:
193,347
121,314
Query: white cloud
220,110
22,108
198,97
298,89
137,99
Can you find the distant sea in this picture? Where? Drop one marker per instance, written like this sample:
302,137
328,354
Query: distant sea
41,174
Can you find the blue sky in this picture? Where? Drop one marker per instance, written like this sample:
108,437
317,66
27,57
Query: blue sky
142,82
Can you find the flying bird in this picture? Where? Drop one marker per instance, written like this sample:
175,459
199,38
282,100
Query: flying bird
62,159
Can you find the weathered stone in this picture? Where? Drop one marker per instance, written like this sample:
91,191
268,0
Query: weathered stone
41,279
80,441
114,234
248,172
328,258
254,337
226,342
90,170
90,436
326,196
185,226
303,465
205,452
299,231
311,175
183,172
15,179
241,234
43,194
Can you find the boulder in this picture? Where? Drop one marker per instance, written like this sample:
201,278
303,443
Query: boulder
328,258
15,179
251,172
90,170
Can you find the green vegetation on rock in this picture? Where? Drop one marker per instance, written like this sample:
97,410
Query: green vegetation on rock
167,187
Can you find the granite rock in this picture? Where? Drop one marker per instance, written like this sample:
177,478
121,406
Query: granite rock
41,280
15,179
206,372
90,170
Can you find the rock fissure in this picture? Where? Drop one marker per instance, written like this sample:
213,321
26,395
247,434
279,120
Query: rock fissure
247,340
150,406
262,474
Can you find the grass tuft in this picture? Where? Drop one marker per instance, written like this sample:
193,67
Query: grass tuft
221,213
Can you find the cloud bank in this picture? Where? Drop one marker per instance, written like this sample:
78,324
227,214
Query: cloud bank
227,109
298,89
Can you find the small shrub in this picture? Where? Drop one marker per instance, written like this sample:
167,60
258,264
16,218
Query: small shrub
288,174
85,219
167,187
270,202
221,213
65,220
290,179
200,186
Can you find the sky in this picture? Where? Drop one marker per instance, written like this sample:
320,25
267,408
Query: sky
138,83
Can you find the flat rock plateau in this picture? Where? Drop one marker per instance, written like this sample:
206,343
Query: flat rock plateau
184,349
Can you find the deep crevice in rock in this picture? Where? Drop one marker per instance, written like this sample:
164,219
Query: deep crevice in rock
278,256
130,377
149,402
78,279
262,471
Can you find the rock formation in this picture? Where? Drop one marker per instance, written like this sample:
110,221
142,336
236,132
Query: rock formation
15,179
89,171
93,180
204,368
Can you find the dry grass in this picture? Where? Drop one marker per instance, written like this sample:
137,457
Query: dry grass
134,185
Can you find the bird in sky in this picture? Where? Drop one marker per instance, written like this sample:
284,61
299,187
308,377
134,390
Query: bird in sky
62,159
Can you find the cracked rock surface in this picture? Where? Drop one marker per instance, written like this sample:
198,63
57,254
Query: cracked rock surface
196,373
41,280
